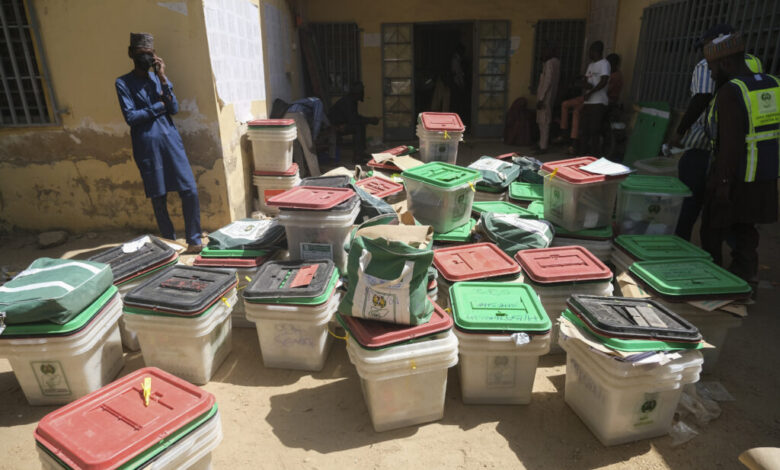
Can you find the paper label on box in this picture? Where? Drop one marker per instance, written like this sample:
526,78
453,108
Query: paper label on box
135,245
501,371
316,251
51,378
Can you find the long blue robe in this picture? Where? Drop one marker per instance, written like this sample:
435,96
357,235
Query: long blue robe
157,146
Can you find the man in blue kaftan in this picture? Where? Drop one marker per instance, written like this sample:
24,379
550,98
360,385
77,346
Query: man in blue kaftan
147,102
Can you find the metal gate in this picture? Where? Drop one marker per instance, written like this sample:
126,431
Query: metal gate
491,68
398,81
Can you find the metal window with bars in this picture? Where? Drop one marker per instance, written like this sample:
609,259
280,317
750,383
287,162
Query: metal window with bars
25,95
567,37
339,47
666,56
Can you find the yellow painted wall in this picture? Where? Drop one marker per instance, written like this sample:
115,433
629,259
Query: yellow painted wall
369,16
81,175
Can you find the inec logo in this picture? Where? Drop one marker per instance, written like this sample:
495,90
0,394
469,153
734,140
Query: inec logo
766,102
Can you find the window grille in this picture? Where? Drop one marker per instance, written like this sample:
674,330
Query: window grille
567,36
24,90
338,45
666,55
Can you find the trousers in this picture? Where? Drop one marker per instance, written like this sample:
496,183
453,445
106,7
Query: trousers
692,169
190,205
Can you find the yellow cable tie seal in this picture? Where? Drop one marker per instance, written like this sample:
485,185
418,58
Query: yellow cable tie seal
448,310
446,135
471,185
226,302
555,172
146,386
248,279
413,364
345,337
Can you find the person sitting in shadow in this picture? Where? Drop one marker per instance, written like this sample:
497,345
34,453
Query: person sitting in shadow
346,120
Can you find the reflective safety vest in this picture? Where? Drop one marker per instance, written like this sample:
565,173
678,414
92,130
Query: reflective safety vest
761,95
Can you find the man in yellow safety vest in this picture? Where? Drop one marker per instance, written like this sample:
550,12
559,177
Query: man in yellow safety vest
744,124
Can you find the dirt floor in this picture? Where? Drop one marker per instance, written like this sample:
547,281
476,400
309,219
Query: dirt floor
286,419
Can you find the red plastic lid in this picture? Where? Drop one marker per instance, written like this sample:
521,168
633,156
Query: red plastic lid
311,198
380,187
230,262
290,172
270,122
475,261
397,150
374,334
562,264
569,171
432,285
384,166
112,425
506,156
442,122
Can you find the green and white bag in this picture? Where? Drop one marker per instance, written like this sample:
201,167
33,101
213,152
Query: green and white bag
53,290
247,234
512,233
387,270
496,174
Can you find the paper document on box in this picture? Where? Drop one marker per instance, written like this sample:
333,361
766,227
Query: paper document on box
602,166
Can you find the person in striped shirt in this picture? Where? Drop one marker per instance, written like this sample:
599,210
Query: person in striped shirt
692,133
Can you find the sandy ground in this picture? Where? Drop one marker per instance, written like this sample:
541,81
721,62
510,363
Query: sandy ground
279,419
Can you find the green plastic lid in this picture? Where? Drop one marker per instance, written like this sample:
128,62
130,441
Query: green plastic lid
659,247
537,208
693,278
320,299
443,175
207,252
51,329
655,185
501,207
629,345
459,234
497,306
598,233
526,191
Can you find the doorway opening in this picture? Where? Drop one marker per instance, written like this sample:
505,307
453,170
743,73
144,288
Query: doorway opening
443,68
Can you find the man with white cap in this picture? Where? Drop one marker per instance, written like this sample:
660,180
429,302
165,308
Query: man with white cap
147,102
744,125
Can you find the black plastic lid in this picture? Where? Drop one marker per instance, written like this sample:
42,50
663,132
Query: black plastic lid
336,181
145,256
632,318
291,279
182,289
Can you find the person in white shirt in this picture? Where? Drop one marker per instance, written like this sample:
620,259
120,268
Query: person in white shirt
596,100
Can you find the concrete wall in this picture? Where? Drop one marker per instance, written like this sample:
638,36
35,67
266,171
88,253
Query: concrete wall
369,16
629,23
80,175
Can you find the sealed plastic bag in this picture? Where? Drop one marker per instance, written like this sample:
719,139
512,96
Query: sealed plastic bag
387,270
247,234
512,233
496,174
53,290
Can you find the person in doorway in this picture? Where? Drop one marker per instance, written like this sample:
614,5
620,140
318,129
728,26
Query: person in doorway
147,102
741,186
546,94
595,98
692,136
615,83
458,80
345,118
